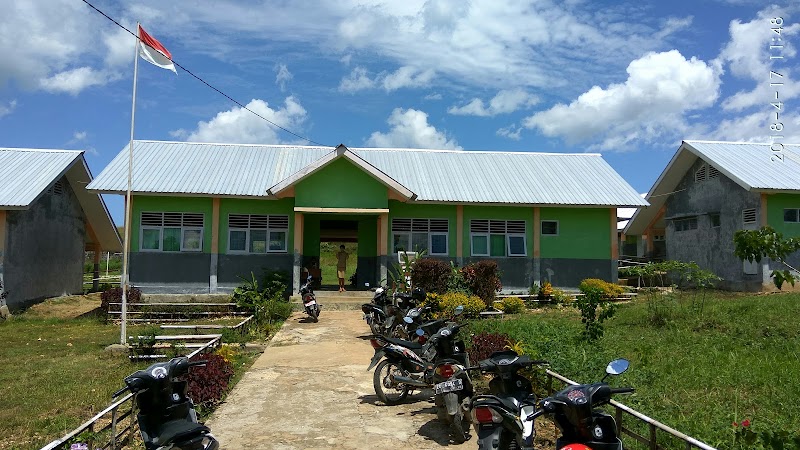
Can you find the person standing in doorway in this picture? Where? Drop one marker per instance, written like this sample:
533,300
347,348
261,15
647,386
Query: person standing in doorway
341,266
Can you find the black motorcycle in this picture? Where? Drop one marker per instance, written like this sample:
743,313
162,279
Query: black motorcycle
309,300
504,417
575,412
167,419
375,312
452,392
403,366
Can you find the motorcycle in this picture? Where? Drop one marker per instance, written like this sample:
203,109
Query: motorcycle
403,365
574,410
310,300
504,417
452,392
167,419
375,312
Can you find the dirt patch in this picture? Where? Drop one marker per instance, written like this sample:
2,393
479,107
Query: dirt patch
66,307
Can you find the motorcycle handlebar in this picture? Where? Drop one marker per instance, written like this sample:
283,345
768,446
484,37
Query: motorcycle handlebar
119,392
622,390
198,363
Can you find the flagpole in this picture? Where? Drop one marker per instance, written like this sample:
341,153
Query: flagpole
123,328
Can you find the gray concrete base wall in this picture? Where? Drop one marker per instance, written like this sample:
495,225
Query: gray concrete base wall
568,273
44,249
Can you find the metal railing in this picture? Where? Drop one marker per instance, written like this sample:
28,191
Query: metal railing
653,425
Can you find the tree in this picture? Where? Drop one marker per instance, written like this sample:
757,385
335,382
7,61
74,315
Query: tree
753,245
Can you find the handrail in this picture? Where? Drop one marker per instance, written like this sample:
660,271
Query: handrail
690,441
90,423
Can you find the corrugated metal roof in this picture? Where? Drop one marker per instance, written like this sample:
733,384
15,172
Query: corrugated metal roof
754,165
26,173
434,175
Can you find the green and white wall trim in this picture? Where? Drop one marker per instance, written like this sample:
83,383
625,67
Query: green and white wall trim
217,218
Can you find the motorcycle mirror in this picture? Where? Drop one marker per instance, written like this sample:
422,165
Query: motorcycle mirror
408,319
420,332
617,366
459,310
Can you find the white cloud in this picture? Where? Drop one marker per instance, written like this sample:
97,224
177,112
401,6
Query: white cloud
660,89
283,76
407,77
747,54
7,108
506,101
239,125
410,129
79,136
346,59
755,127
434,96
512,132
48,38
357,80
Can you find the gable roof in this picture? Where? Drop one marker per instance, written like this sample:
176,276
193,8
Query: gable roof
750,165
26,174
435,176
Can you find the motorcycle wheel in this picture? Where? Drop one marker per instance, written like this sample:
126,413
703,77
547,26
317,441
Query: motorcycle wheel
376,327
388,392
315,314
458,427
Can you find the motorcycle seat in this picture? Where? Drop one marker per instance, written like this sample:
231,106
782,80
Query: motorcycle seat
177,430
406,344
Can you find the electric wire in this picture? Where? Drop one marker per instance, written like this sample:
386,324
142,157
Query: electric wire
206,83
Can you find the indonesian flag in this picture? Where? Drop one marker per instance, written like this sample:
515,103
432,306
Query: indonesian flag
153,52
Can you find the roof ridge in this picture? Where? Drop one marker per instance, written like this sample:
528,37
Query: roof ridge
689,141
493,152
232,144
40,150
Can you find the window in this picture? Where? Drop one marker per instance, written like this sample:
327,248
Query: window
549,228
687,223
498,238
253,233
420,234
749,216
171,232
791,215
715,220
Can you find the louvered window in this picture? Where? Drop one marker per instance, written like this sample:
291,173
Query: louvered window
417,235
749,216
171,232
700,175
712,172
57,188
497,237
258,233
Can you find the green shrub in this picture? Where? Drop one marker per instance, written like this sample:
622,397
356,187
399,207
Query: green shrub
594,311
430,274
269,304
512,305
561,296
445,304
483,279
609,290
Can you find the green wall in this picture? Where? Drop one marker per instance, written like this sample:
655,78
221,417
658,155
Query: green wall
499,213
228,206
775,206
171,204
415,211
583,233
367,232
341,185
311,233
368,236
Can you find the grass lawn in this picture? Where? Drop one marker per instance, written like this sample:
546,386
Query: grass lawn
327,259
55,375
696,370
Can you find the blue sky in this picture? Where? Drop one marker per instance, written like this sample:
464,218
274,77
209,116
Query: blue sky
628,79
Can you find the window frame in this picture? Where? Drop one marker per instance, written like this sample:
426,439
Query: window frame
269,229
686,220
541,229
472,243
407,227
524,244
796,215
183,229
487,228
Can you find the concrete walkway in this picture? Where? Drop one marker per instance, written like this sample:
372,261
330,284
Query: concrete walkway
310,390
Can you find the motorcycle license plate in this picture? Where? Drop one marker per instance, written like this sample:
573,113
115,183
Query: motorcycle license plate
312,302
448,386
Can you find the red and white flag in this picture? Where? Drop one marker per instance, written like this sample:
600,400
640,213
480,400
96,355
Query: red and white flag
153,52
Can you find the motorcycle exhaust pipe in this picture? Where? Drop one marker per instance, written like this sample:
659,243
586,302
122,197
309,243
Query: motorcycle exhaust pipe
409,381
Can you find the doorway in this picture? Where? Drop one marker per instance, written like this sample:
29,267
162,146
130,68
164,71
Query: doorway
333,234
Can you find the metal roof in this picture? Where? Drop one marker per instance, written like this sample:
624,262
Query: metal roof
27,173
749,165
753,166
434,175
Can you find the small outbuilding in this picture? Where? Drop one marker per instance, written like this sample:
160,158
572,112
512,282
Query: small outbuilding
206,214
48,220
710,190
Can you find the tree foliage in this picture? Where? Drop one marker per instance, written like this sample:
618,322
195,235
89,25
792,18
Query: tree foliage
754,245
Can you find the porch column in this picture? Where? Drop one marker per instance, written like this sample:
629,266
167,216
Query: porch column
298,252
96,249
460,235
537,245
212,280
2,243
614,246
383,246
